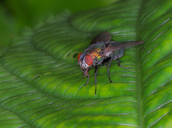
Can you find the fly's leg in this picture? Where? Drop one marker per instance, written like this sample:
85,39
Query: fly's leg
87,80
108,69
95,79
122,66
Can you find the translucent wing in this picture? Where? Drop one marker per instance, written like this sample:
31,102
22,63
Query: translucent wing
101,37
114,46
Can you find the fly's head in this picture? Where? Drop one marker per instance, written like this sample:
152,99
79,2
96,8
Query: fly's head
85,61
92,56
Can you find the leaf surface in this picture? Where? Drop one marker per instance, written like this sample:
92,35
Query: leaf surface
41,85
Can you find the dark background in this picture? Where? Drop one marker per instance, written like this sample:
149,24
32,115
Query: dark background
17,14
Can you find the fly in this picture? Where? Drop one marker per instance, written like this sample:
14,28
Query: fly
100,51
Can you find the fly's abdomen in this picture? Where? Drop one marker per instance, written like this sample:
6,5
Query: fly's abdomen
117,54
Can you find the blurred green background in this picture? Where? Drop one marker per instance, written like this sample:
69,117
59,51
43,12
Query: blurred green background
17,14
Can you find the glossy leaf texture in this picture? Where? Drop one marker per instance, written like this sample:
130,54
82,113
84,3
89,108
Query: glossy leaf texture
156,63
41,85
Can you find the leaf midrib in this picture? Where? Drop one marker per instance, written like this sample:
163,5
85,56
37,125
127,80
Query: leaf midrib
138,84
138,73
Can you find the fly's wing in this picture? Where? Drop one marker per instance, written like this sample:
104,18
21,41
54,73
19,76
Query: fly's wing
101,37
123,45
113,46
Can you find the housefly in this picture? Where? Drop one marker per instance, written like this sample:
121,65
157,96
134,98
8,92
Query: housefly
101,50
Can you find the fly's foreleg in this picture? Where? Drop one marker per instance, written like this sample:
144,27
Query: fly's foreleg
95,79
87,80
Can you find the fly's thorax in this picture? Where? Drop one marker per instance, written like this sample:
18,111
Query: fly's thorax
95,50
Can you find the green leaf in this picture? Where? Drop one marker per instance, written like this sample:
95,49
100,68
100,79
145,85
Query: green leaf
41,85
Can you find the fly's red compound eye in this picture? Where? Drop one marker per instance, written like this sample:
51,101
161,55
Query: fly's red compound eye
88,60
79,56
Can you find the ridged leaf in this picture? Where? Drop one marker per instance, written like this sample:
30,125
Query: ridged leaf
41,85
